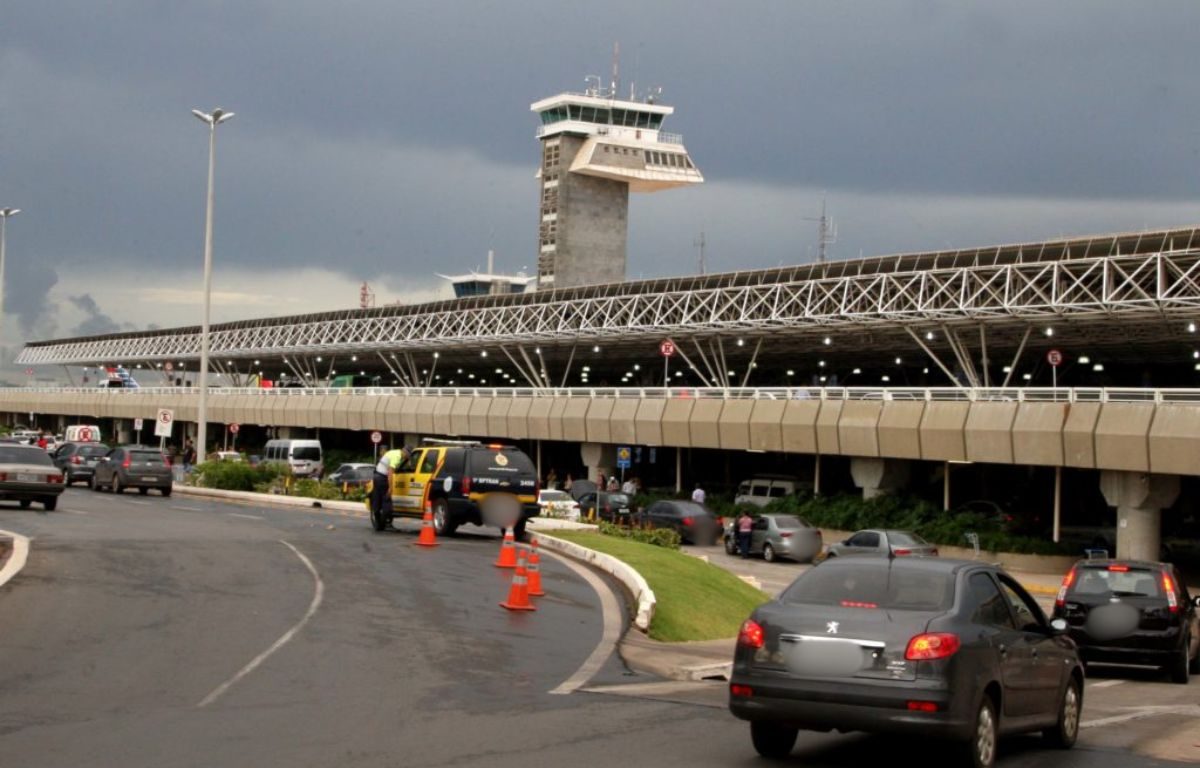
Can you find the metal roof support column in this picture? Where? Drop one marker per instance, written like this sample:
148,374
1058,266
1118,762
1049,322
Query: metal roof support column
396,373
963,356
934,357
70,378
724,364
567,370
686,359
753,360
432,369
539,381
299,373
714,380
520,368
983,356
1013,367
332,362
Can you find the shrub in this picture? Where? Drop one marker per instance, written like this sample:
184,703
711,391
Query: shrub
237,475
659,537
316,489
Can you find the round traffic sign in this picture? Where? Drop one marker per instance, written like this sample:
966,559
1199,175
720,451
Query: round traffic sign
1054,357
234,428
377,437
85,434
667,348
169,366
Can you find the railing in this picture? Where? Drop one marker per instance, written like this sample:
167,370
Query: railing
897,394
669,138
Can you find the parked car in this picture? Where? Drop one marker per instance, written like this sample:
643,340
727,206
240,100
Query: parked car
880,543
557,504
775,536
694,523
78,460
1132,612
133,466
460,479
27,475
613,506
227,456
764,489
302,456
356,475
949,649
83,433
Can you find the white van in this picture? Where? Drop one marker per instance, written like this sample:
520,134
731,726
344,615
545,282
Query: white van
83,433
303,456
764,489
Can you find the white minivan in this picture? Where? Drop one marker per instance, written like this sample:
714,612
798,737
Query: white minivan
764,489
82,433
303,456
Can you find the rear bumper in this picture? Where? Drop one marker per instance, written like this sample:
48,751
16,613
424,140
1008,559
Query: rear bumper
828,706
1153,648
29,491
143,481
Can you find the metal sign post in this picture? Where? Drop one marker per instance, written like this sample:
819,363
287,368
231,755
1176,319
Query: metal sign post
624,456
376,439
137,427
667,350
1055,358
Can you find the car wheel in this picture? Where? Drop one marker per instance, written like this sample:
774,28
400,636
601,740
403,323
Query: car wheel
143,491
166,491
92,483
1066,730
773,740
442,524
50,504
768,553
730,547
519,529
1180,668
116,484
981,749
26,503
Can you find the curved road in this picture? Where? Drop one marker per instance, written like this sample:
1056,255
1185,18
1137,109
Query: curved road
182,632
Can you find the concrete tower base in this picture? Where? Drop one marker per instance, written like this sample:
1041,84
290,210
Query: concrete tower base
879,477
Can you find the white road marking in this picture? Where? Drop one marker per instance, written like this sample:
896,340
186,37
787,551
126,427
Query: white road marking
1107,683
185,509
1139,713
611,612
318,595
248,517
16,560
74,511
139,503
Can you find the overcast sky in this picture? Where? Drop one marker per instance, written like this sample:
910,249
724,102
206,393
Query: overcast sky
387,140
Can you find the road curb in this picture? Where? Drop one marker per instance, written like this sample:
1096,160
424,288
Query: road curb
632,580
16,559
271,498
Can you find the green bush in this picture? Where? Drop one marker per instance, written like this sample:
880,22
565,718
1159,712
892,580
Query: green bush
316,489
238,475
659,537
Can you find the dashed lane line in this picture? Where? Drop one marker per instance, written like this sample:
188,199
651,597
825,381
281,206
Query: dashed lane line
318,596
246,517
185,509
1106,683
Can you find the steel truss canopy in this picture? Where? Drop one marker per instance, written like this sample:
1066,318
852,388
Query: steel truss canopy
1132,277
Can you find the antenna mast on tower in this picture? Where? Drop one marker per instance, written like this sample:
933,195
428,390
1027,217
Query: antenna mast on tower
699,242
826,231
366,297
616,78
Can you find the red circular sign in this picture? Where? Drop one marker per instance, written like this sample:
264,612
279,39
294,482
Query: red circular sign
667,348
169,366
234,428
377,437
1054,357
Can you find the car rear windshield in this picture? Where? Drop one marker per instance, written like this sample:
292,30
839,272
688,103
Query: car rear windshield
867,586
16,454
92,450
616,499
503,462
905,539
789,521
146,457
1116,581
306,453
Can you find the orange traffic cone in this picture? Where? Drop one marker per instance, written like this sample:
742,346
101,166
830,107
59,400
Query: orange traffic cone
535,571
428,537
518,594
508,552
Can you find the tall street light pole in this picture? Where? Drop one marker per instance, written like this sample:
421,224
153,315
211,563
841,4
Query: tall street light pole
5,213
215,118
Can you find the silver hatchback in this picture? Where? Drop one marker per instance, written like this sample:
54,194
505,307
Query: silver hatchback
777,535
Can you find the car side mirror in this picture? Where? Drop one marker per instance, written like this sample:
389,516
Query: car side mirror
1058,626
1196,601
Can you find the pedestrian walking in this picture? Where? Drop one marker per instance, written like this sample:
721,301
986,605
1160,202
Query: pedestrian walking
189,455
613,485
745,526
629,487
698,495
552,480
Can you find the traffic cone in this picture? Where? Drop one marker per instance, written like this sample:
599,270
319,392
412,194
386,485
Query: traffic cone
518,594
508,552
428,537
534,569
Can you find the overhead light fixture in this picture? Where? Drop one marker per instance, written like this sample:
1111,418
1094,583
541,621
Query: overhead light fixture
678,374
596,349
1084,359
823,378
1191,327
637,367
791,372
741,342
885,378
856,371
586,368
928,335
483,353
1098,367
354,358
897,361
1008,369
1028,377
925,371
821,363
537,350
499,370
732,373
828,341
1049,331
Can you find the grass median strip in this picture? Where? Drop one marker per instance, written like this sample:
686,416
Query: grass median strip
696,601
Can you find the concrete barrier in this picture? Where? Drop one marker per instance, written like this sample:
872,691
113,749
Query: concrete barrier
271,498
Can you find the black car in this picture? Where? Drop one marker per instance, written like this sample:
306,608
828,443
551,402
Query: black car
78,460
1132,612
950,649
612,506
694,523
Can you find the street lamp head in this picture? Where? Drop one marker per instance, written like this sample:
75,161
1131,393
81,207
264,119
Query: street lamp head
217,117
6,212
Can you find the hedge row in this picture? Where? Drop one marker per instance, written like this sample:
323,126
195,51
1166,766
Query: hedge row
659,537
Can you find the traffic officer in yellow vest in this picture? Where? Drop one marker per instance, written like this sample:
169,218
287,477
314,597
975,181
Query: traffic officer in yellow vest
381,485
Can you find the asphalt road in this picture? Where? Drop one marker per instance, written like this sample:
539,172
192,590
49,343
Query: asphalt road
182,632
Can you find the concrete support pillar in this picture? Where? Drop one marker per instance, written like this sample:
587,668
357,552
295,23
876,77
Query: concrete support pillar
599,458
1139,498
878,477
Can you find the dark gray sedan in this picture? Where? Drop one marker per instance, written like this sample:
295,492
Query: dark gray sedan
133,466
775,536
78,460
949,649
694,523
881,543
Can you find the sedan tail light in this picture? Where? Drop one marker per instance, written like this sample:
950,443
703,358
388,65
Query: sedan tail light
931,646
55,478
934,552
751,635
126,464
1168,586
76,459
901,552
785,534
1068,580
166,460
688,521
3,476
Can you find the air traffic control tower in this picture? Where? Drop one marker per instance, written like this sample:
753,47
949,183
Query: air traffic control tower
595,149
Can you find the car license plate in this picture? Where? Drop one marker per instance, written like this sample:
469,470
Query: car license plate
623,511
149,479
24,477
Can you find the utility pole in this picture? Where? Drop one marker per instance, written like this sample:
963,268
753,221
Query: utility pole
699,242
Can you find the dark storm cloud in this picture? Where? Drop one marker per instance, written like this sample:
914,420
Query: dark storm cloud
395,138
26,285
96,322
